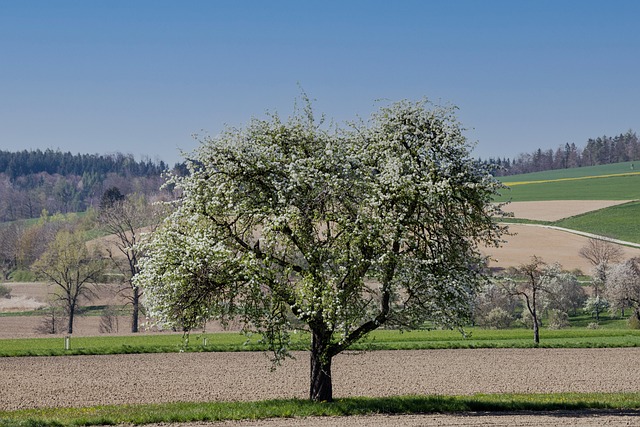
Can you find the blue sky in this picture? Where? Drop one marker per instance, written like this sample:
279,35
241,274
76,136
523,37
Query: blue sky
141,77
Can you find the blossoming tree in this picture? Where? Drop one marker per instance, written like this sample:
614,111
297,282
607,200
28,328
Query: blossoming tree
289,224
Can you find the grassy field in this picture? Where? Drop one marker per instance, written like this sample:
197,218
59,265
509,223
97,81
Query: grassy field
612,334
605,182
588,171
624,187
619,222
185,412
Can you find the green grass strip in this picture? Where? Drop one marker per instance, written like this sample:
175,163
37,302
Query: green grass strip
615,335
221,411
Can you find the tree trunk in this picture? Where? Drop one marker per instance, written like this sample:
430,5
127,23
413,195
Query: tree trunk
321,388
136,309
536,330
72,311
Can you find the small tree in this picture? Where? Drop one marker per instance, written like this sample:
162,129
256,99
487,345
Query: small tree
68,264
623,286
490,298
600,253
5,291
564,293
498,318
343,231
595,306
54,319
531,282
125,219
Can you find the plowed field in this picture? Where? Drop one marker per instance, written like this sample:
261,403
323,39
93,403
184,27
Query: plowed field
33,382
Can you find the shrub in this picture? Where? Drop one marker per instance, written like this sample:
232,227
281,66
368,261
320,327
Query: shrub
5,291
53,321
593,325
498,318
527,319
109,321
633,322
22,276
558,319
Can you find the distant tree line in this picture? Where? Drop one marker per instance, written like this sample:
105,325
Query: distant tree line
599,151
56,182
25,163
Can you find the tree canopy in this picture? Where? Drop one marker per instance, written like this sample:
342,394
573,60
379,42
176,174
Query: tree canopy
291,224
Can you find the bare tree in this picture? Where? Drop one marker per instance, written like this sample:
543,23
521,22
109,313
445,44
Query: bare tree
531,282
125,218
54,319
600,253
68,264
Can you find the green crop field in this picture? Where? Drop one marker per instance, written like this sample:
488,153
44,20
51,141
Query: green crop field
623,187
616,335
611,169
606,182
619,222
619,181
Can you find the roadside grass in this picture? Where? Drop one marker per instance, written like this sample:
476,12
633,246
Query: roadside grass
185,412
611,333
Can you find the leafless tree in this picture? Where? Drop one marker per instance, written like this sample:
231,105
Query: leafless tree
125,218
600,253
531,282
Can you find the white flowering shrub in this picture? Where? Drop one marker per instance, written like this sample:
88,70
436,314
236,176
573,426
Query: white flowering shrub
623,286
345,230
498,318
557,319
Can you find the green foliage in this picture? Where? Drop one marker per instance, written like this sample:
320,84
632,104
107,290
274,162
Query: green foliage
498,318
188,412
557,319
633,322
22,276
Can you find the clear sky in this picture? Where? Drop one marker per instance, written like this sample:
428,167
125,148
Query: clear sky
141,77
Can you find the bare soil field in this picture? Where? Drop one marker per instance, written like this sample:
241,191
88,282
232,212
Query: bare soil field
73,381
549,244
554,210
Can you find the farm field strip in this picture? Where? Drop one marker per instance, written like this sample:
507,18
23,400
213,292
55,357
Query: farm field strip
585,234
36,382
515,183
575,337
409,411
